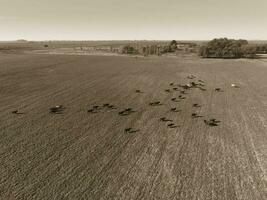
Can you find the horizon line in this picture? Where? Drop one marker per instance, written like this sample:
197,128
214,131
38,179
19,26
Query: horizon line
100,40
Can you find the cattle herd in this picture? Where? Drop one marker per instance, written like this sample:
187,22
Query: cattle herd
182,89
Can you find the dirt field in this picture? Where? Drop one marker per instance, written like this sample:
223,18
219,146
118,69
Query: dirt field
81,155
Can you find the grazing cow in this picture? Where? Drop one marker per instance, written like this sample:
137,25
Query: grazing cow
187,86
156,103
131,130
234,85
121,112
181,97
215,120
111,106
175,110
195,115
167,90
164,119
191,77
138,91
57,109
15,112
126,111
193,84
90,110
217,89
196,105
203,89
127,130
172,125
211,122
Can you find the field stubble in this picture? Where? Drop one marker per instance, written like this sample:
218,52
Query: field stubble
77,155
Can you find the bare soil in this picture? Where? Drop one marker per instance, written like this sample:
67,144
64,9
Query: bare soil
81,155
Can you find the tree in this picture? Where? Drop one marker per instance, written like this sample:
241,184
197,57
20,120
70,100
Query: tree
224,48
129,50
173,46
249,51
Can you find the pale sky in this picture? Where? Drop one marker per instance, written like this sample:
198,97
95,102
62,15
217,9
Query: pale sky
132,19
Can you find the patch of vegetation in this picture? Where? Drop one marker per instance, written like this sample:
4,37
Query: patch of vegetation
228,48
129,50
158,49
261,49
172,47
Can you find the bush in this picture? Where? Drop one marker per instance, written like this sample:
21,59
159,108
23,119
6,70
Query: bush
129,50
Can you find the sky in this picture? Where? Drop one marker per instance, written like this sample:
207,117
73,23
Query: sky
132,19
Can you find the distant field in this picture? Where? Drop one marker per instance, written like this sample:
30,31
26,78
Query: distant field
81,155
72,44
35,45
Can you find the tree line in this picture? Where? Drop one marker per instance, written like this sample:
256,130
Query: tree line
230,48
216,48
151,49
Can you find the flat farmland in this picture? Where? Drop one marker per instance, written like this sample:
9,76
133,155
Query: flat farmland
88,155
